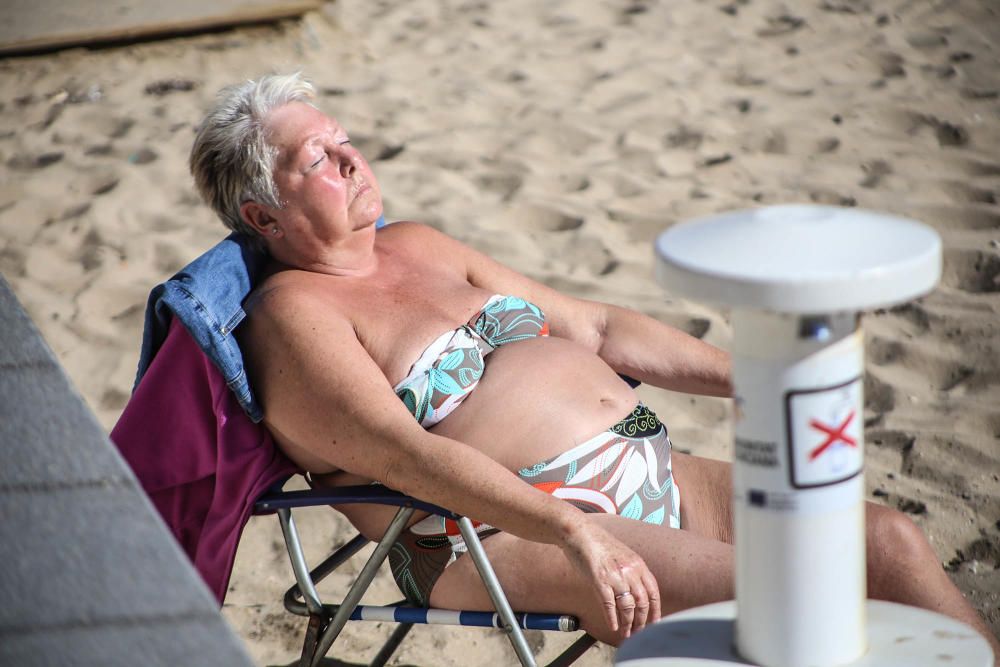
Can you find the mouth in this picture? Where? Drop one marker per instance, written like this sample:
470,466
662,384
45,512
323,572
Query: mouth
359,189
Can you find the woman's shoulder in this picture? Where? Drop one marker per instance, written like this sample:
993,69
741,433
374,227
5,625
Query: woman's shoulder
422,238
288,289
409,229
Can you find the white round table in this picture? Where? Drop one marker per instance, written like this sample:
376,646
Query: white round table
898,636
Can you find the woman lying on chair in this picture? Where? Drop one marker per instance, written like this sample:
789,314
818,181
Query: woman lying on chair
407,358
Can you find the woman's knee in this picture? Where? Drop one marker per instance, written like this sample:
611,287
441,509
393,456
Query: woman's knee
895,540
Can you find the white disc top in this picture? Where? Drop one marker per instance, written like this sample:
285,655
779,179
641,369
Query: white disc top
800,259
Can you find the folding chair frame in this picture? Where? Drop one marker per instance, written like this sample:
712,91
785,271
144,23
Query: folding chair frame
326,621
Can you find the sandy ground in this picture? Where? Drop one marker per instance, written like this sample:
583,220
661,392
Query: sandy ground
560,137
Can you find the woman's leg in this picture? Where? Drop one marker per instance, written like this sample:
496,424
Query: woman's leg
695,566
690,569
902,565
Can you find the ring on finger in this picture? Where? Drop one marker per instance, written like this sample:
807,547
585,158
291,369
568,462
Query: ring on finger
623,594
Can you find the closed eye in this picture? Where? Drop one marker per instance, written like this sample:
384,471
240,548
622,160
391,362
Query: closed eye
316,163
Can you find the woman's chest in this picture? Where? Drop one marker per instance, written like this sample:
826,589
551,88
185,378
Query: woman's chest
396,321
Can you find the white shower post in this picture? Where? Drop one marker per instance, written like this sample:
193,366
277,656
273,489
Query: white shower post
795,279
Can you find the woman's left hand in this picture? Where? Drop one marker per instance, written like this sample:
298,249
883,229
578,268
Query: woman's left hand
625,587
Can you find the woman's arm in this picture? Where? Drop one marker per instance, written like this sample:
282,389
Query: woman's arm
650,351
630,342
326,399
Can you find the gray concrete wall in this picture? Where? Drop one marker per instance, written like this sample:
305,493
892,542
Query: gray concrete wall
89,574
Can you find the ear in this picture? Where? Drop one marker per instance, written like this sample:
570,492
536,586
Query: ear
256,215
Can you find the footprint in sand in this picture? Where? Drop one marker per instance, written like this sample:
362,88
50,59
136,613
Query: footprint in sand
162,222
693,326
781,24
697,326
972,216
983,550
923,40
90,253
962,192
825,196
626,186
22,162
120,127
899,441
827,145
375,149
13,262
979,167
504,185
972,271
946,375
914,315
942,374
883,351
946,132
683,137
879,396
591,254
114,399
932,459
573,182
910,505
847,6
875,171
168,258
74,211
144,155
544,218
775,142
101,185
890,65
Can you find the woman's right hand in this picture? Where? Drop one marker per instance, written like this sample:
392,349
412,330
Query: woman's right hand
623,584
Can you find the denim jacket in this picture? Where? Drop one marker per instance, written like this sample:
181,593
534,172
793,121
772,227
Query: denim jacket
207,295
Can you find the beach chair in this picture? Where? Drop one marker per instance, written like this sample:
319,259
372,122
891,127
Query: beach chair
189,434
326,621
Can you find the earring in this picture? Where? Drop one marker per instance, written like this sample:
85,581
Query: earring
274,231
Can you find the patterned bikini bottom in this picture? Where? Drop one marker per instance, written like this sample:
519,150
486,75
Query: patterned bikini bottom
625,470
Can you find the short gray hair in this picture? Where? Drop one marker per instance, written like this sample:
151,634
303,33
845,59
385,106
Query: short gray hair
231,159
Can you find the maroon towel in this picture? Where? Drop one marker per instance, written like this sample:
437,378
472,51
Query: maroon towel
198,456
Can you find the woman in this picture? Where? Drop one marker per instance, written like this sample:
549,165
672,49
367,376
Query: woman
409,359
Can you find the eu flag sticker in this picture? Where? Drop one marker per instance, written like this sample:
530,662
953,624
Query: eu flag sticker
825,434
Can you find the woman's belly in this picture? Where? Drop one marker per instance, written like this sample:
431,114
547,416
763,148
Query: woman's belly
537,398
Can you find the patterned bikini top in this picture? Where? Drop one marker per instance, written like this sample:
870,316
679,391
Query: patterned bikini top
450,367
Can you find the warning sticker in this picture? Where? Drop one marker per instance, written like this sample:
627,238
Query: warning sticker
825,431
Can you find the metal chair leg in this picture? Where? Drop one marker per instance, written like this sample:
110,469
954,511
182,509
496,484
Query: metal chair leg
573,652
294,598
496,593
391,644
361,584
299,566
320,634
313,631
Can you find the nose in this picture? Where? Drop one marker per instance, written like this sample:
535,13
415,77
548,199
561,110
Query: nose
347,166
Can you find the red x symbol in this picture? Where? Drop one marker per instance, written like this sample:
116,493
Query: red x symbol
833,435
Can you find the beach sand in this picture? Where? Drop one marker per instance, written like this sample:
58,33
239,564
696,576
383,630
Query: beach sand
560,138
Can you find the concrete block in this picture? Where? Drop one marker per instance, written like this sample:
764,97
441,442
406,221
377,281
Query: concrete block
164,642
20,342
48,436
90,555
